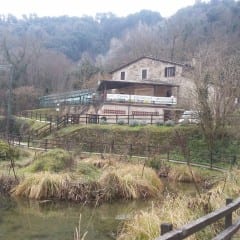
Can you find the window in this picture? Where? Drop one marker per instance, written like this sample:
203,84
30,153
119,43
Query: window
122,75
144,73
169,93
170,71
143,113
114,112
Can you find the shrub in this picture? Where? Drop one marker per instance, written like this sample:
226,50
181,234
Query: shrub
103,120
120,122
54,161
169,123
88,170
142,123
133,123
155,163
7,152
160,123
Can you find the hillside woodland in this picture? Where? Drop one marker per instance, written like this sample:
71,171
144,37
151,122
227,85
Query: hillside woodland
55,54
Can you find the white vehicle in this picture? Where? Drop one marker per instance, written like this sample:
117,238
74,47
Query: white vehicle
189,117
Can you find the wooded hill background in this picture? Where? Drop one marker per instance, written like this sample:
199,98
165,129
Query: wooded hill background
56,54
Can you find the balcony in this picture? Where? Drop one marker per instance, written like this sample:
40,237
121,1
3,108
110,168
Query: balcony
124,98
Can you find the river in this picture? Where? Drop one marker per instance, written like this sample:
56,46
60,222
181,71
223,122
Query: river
24,219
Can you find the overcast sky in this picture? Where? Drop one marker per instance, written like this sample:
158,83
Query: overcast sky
90,7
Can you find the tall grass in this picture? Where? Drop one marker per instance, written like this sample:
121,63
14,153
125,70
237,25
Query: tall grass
184,173
43,185
180,209
88,183
129,182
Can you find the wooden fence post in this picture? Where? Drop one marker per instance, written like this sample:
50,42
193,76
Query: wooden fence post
46,144
112,146
166,227
228,218
28,142
130,149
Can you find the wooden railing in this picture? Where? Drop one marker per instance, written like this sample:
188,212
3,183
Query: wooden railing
197,225
43,130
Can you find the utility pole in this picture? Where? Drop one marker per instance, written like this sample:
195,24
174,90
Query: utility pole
9,68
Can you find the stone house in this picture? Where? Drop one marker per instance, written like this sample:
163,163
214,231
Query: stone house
144,87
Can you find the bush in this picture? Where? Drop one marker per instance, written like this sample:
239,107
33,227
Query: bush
133,123
142,123
155,163
7,152
54,161
88,170
169,123
120,122
103,120
160,123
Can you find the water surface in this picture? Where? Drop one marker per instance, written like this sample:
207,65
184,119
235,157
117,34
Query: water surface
23,219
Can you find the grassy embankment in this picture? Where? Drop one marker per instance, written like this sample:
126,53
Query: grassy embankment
167,138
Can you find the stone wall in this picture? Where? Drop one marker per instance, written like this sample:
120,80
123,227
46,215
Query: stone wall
155,70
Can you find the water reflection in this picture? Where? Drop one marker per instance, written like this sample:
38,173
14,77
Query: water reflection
24,219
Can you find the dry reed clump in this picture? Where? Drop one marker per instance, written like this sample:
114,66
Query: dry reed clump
145,225
182,209
130,182
178,210
184,173
86,192
43,185
90,184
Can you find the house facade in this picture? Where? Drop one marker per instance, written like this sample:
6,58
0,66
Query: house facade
144,87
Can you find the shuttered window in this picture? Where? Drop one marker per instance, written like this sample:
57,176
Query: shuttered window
144,73
122,75
170,71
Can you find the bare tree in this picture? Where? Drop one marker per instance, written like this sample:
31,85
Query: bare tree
217,88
